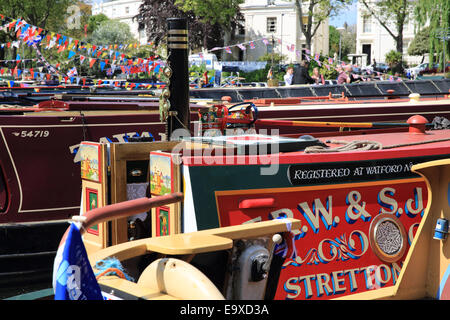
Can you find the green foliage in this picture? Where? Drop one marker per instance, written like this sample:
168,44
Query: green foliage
421,42
393,57
261,75
95,21
276,58
112,32
41,13
333,41
219,12
395,61
327,74
48,15
437,14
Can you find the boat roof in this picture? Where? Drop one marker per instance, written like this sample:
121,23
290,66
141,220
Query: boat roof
398,144
375,89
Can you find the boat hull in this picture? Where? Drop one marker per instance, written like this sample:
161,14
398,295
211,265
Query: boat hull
41,178
342,200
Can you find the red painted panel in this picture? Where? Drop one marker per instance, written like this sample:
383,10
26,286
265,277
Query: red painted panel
332,255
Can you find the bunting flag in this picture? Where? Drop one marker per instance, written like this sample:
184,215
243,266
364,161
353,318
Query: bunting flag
242,47
108,56
72,72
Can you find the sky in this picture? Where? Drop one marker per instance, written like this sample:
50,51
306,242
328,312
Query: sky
348,16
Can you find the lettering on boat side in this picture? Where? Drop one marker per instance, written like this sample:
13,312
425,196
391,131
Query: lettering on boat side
349,172
333,253
32,133
120,137
370,277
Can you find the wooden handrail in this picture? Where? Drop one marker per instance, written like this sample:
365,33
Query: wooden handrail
122,210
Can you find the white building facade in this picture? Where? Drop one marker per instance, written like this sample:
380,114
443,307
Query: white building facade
374,40
279,20
123,11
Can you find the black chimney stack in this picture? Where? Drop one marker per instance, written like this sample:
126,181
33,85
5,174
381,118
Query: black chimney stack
177,49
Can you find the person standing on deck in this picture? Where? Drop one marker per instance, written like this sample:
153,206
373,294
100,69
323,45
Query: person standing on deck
318,77
289,76
342,75
301,75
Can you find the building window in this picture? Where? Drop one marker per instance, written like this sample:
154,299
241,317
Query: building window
270,2
271,25
367,24
127,10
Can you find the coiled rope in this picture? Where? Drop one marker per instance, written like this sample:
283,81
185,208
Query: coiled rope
347,146
111,266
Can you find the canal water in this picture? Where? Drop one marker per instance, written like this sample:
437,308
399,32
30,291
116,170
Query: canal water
26,289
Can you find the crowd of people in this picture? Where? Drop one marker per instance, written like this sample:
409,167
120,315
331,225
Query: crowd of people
300,75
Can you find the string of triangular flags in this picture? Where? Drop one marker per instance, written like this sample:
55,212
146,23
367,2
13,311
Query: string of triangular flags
32,35
327,61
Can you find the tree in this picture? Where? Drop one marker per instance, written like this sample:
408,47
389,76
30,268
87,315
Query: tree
317,11
94,22
153,15
347,38
437,13
392,16
420,45
46,14
394,59
112,32
42,13
220,13
333,40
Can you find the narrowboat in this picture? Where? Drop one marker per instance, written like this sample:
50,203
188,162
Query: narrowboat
267,217
40,183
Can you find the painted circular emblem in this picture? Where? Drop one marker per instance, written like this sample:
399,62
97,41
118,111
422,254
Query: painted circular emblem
387,237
